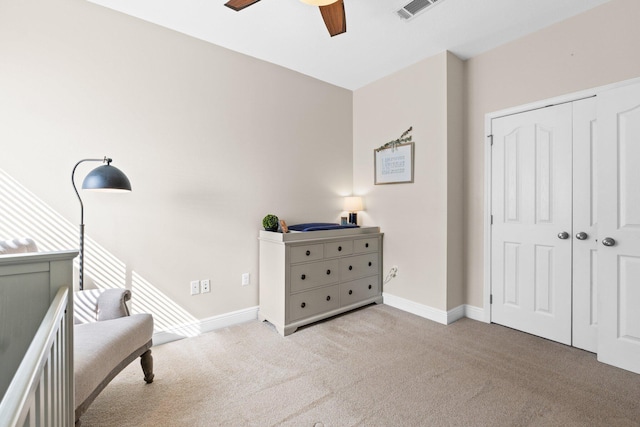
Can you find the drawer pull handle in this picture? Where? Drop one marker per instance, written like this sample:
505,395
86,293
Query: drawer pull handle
304,276
369,263
366,245
369,286
303,305
350,267
308,253
350,292
328,297
328,272
339,248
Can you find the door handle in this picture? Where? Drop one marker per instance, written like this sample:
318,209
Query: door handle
608,241
582,236
563,235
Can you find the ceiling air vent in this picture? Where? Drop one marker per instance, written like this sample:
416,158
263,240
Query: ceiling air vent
411,9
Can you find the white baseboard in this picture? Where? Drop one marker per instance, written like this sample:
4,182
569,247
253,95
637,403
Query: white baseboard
437,315
455,314
205,325
248,314
475,313
412,307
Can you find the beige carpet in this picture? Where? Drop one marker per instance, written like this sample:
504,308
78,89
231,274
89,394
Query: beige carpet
377,366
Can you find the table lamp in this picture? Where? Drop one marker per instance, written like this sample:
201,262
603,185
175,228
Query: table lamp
353,204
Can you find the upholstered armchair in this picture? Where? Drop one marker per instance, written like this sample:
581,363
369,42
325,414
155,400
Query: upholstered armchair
106,340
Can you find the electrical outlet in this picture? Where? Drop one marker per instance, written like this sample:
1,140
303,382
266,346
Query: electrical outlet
246,279
205,286
195,287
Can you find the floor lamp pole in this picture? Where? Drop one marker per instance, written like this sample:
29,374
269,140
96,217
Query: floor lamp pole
81,255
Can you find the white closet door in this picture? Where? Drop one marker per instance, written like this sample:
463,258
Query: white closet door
531,207
619,226
585,223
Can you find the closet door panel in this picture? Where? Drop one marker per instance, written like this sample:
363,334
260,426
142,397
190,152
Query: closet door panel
585,225
531,205
619,227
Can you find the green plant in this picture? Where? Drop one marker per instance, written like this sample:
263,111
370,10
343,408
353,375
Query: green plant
270,222
405,137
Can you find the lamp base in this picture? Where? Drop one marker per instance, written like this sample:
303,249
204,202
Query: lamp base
353,218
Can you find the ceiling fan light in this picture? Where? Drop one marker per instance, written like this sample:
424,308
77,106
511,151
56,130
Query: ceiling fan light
319,2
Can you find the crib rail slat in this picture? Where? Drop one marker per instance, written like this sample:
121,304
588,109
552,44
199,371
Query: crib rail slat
41,391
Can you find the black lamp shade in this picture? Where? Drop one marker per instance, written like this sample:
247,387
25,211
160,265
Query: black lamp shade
106,177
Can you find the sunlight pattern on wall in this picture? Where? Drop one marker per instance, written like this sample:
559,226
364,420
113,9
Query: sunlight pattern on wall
84,306
23,214
170,317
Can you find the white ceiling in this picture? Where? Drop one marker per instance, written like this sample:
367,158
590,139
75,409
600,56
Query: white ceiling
377,42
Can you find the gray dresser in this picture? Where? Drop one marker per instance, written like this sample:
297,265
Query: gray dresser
309,276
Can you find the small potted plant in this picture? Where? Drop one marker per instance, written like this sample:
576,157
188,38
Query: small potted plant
270,222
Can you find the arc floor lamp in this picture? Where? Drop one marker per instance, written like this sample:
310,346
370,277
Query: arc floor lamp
102,178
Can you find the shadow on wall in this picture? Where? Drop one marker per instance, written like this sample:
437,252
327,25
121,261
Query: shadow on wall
23,214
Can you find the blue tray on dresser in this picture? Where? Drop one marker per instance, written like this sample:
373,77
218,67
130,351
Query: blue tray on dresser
317,226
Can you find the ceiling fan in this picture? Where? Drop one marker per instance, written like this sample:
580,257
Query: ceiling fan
332,12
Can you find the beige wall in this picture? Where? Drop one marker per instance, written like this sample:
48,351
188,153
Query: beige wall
211,140
592,49
434,227
414,217
455,174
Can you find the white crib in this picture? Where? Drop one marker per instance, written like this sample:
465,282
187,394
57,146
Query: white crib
36,339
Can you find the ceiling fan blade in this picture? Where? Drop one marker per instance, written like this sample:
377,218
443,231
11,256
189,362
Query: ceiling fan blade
334,18
238,5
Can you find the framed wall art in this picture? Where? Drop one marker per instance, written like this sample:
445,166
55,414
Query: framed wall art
394,165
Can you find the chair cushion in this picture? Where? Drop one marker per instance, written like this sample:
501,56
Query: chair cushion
100,347
92,305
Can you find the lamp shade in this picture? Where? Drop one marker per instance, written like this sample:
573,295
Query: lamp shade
106,178
353,204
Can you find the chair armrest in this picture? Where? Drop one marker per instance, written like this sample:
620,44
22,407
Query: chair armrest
112,304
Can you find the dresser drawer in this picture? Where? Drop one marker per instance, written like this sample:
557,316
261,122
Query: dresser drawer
314,302
307,276
365,245
358,266
307,253
358,290
336,249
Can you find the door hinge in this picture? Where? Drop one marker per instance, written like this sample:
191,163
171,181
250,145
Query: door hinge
491,219
491,299
490,139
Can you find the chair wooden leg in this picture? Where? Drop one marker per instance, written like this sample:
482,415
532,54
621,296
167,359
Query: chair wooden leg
147,366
